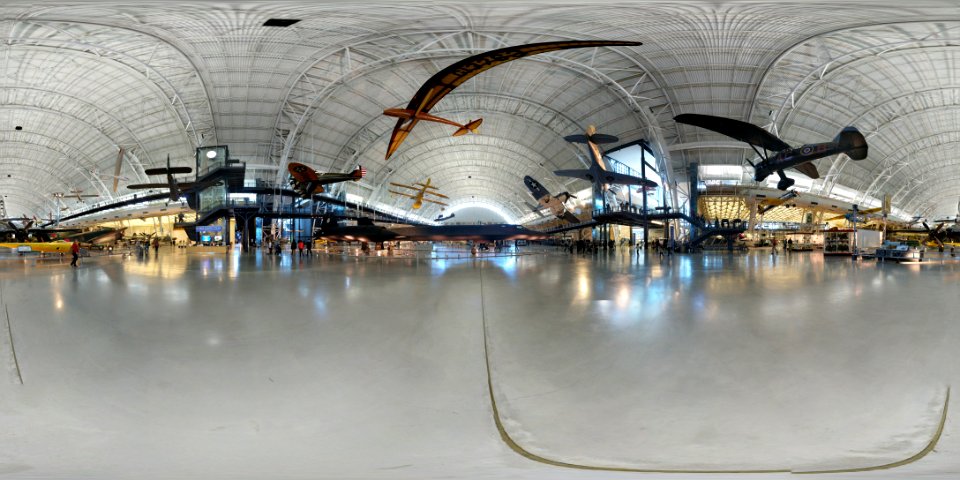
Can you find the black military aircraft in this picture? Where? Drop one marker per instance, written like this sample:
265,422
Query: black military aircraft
849,141
366,231
598,171
176,187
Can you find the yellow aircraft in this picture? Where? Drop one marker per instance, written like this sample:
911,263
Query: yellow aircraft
861,215
421,189
42,247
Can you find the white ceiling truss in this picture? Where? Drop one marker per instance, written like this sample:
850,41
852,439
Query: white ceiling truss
86,79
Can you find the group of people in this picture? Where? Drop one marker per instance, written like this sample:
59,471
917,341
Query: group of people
299,247
659,245
787,245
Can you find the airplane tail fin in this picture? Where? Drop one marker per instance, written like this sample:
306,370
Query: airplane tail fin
359,173
852,142
592,136
471,126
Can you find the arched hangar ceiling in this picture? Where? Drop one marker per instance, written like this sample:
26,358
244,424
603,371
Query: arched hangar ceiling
87,80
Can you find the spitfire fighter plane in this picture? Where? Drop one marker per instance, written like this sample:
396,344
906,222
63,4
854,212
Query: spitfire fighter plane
177,188
307,181
598,171
444,81
422,190
849,141
555,203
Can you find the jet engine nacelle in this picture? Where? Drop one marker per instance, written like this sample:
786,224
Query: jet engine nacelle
851,141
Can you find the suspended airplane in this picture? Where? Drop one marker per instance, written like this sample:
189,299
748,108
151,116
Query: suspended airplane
176,187
422,190
444,81
307,181
598,171
441,218
860,218
79,195
954,219
554,203
366,231
767,205
849,141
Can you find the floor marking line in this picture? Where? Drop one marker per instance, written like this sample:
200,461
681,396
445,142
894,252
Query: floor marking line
917,456
13,350
518,449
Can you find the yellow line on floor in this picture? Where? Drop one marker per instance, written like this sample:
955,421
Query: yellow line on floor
539,459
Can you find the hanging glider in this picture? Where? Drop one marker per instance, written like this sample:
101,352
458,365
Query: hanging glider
444,81
849,141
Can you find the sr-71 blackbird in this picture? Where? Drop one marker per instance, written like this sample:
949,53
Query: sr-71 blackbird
444,81
366,231
849,141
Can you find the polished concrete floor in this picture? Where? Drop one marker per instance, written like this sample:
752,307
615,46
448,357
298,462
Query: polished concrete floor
544,366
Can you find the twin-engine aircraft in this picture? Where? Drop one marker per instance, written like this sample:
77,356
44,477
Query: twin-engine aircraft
177,188
849,141
598,171
422,191
307,181
554,203
444,81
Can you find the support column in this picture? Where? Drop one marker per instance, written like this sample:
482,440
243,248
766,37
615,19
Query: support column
694,196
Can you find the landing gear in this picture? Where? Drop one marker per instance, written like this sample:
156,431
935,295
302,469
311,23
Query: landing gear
785,183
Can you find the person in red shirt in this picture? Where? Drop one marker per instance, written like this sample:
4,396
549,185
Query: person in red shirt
75,250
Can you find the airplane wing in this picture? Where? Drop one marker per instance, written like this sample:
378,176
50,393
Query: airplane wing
144,186
621,179
577,173
435,194
402,194
743,131
570,217
576,138
808,169
444,81
195,185
164,171
301,172
434,201
404,186
608,177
